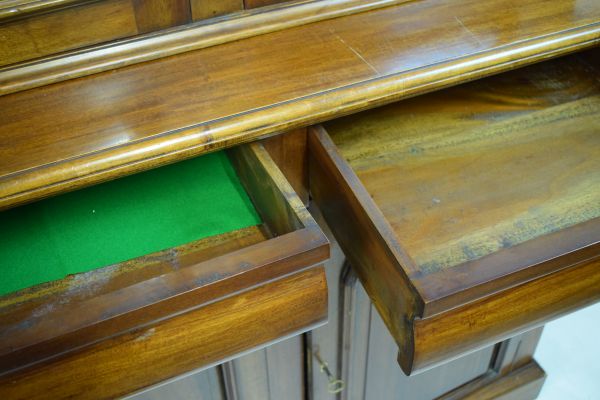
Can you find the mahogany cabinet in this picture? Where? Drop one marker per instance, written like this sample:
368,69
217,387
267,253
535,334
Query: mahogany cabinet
448,149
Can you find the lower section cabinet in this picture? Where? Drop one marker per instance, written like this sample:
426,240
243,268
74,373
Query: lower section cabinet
359,352
435,236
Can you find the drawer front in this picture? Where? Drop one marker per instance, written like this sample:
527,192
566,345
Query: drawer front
210,300
458,234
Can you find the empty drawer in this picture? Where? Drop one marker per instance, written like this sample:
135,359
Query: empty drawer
470,214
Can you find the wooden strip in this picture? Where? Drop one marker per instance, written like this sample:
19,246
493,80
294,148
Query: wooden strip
143,116
260,3
509,267
46,34
503,315
272,195
364,237
524,383
290,152
196,339
11,10
148,47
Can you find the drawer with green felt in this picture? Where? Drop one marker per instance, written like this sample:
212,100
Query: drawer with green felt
97,262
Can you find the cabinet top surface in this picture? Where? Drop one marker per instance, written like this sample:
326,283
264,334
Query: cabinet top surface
140,116
470,171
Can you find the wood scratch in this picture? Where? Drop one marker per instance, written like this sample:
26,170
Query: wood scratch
354,51
468,30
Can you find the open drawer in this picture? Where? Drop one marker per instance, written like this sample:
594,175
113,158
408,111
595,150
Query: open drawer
109,331
471,214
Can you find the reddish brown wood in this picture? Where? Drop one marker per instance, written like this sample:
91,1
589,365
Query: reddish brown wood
290,152
154,15
448,205
111,124
165,349
35,325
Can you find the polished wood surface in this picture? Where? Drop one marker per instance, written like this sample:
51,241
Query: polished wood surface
145,115
457,175
234,26
17,9
502,315
154,15
48,321
524,383
203,9
200,337
290,152
45,34
481,168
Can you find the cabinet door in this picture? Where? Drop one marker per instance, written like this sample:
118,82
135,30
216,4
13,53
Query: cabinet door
276,372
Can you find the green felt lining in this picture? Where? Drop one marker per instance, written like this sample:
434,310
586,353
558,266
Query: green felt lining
120,220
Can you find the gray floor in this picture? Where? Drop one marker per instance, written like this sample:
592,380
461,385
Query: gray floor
569,352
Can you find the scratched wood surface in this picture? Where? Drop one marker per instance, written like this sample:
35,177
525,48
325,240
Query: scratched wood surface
485,166
83,131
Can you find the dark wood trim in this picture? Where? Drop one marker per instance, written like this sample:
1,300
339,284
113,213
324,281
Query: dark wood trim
524,383
502,315
365,237
509,267
199,35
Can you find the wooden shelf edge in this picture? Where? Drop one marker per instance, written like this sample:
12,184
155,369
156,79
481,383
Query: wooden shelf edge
199,35
46,180
22,9
525,383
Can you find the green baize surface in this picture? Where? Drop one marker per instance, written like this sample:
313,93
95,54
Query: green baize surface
120,220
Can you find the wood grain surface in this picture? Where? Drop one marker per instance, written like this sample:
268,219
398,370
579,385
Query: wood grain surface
196,339
88,130
45,34
513,167
154,15
234,25
45,322
524,383
202,9
485,166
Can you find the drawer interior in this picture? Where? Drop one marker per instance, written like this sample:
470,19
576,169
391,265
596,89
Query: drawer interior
481,167
448,202
484,166
123,219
